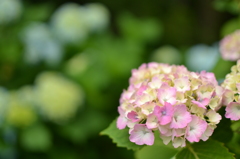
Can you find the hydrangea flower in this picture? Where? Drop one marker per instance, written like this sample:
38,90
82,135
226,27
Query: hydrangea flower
72,23
40,44
231,95
96,16
20,110
201,53
69,24
57,98
229,46
10,11
180,104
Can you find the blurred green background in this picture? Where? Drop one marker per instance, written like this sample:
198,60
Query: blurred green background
64,64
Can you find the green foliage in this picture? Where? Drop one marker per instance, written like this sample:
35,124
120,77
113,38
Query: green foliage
223,129
139,29
234,144
209,149
222,68
231,6
38,12
120,137
79,131
230,26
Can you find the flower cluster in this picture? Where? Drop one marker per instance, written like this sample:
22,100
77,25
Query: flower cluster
73,23
57,97
180,104
229,46
10,11
19,108
40,45
231,95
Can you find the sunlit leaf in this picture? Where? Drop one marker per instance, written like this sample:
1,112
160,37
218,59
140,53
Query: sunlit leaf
120,137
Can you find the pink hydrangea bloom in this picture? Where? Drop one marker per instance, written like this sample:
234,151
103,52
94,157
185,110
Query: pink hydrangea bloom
229,46
179,104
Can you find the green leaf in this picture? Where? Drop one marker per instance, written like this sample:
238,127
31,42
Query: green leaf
223,129
230,26
139,30
209,149
157,150
234,144
222,68
120,137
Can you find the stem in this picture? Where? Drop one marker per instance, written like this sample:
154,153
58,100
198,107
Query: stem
192,151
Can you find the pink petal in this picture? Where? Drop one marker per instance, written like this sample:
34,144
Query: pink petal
207,133
133,116
155,83
181,117
195,129
228,97
141,90
165,130
233,111
121,122
152,121
167,94
165,114
143,99
141,135
182,84
202,103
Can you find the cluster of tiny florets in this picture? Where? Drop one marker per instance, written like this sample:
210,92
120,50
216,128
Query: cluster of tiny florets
229,46
180,104
231,95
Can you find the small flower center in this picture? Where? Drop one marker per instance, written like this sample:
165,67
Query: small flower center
164,112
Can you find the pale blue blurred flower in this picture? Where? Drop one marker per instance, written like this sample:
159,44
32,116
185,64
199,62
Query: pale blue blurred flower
40,45
10,11
68,23
96,16
202,57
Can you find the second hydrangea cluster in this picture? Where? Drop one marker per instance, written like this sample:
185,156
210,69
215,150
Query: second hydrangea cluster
231,97
229,46
180,104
